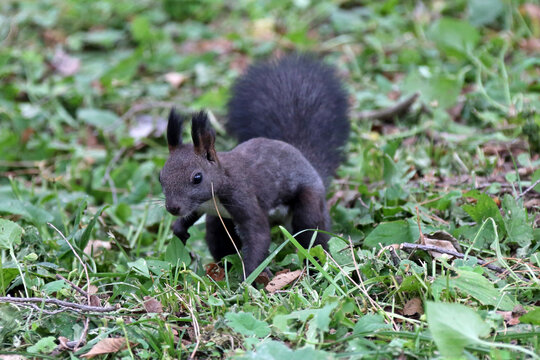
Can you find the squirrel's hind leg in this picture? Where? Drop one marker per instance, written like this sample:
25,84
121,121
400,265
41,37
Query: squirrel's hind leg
309,212
218,241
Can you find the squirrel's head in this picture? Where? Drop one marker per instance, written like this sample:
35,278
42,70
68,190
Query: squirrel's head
190,170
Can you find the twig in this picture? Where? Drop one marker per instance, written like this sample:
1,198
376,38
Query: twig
195,323
75,287
65,304
362,286
227,231
422,238
48,312
409,246
529,188
87,321
389,113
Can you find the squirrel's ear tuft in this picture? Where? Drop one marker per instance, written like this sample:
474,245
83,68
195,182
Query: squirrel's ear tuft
203,136
174,129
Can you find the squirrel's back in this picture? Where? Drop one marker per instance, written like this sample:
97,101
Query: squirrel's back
296,99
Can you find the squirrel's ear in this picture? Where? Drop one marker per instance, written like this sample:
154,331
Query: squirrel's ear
203,136
174,130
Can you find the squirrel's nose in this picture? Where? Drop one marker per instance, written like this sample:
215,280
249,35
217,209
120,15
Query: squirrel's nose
173,209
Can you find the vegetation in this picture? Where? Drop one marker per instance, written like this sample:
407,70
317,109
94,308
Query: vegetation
85,87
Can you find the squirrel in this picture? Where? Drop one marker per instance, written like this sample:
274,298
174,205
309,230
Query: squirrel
290,118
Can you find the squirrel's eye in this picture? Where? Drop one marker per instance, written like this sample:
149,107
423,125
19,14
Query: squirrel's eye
197,178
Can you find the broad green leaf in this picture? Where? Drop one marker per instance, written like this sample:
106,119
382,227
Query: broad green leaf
320,321
454,326
140,29
454,37
27,210
43,346
106,38
246,324
369,324
317,252
475,285
8,275
10,234
176,253
101,119
395,232
340,251
54,286
444,202
123,71
531,317
519,231
140,266
483,12
534,178
434,88
484,208
274,350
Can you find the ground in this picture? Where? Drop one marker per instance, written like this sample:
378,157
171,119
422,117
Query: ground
85,88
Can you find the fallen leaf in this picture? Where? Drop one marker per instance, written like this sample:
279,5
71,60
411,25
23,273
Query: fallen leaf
532,10
95,247
107,346
282,280
531,45
262,279
94,300
509,317
145,125
52,37
92,289
443,240
263,29
65,64
413,306
216,272
151,305
175,78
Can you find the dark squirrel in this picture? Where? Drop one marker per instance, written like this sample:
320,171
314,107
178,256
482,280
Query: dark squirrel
290,116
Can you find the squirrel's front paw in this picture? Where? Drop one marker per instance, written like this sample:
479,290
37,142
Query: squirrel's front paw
180,230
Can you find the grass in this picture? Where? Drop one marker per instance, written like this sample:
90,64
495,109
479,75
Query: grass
84,92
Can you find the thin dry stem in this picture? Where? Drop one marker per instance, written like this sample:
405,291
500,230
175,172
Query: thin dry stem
227,230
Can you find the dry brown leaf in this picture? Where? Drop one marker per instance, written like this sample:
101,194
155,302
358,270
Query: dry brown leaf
282,280
63,342
151,305
443,240
216,272
511,318
175,78
412,307
65,64
532,10
94,300
92,289
263,279
263,29
531,45
96,246
107,346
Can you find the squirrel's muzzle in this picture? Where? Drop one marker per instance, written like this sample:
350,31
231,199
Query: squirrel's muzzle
173,209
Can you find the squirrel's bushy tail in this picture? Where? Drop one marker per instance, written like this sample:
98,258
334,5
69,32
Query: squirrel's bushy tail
296,99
